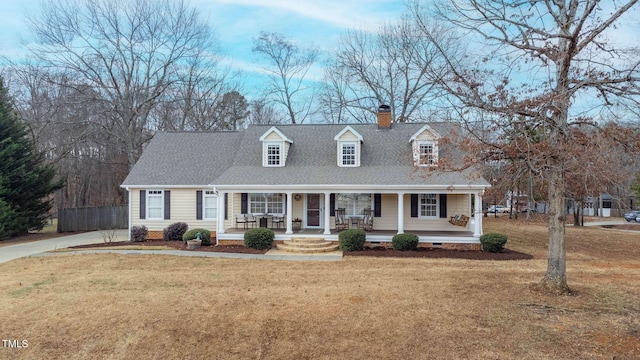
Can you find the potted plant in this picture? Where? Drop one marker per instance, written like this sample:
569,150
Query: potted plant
195,243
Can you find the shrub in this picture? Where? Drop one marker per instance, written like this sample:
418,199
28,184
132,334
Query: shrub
493,242
205,236
139,233
259,238
174,231
352,239
404,242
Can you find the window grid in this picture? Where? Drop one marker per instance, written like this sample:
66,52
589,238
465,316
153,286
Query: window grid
273,155
428,205
353,203
426,154
348,154
270,203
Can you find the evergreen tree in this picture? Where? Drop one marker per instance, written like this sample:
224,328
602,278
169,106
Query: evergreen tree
25,180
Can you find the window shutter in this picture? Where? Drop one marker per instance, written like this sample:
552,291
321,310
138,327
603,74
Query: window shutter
377,205
226,206
199,205
244,203
443,206
414,205
332,204
167,204
143,204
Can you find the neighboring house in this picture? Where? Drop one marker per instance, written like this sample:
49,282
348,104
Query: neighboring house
305,173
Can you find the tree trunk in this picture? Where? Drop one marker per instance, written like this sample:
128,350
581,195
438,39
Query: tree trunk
555,278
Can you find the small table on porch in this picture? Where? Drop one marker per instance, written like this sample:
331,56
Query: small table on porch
354,220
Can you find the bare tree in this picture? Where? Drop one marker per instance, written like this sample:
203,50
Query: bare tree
287,68
538,59
262,113
394,65
128,53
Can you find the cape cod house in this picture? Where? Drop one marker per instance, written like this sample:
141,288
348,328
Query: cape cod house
310,180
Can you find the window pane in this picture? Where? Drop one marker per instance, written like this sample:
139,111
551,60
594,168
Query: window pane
348,154
210,206
270,203
426,153
258,204
354,204
428,205
154,204
273,154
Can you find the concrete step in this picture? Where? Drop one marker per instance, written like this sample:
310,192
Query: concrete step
307,246
306,240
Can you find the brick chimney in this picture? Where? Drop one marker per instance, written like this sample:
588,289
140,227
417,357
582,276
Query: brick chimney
384,117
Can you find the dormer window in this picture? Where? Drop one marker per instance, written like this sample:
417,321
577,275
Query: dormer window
275,146
349,145
349,153
425,147
274,152
427,153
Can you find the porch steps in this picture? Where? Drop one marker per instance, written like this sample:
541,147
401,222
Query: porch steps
307,245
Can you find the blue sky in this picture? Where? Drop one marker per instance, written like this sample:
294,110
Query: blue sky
316,23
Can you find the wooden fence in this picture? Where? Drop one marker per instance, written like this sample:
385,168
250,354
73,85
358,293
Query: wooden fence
93,218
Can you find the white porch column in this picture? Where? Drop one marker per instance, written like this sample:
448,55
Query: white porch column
477,216
220,217
400,212
289,216
327,213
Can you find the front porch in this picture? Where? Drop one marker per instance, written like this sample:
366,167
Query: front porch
433,237
314,215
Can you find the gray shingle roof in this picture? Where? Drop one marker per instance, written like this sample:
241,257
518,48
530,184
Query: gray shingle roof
235,158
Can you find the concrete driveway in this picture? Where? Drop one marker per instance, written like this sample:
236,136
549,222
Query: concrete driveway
8,253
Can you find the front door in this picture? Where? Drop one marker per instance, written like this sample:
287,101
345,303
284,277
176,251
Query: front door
314,210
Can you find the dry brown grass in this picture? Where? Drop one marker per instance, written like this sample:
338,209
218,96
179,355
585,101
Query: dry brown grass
144,306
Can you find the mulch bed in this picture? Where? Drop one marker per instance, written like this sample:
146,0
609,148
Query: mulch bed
178,245
378,251
435,253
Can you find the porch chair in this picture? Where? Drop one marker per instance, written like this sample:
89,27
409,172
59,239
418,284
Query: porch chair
241,219
251,219
367,221
277,220
339,219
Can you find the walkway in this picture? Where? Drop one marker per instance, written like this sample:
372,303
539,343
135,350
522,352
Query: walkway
43,248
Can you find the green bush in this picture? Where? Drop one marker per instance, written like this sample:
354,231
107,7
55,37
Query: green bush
404,242
175,231
493,242
352,239
259,238
205,236
139,233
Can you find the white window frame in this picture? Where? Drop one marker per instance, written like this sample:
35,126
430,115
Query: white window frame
422,206
433,155
154,194
209,195
343,156
269,157
266,201
354,207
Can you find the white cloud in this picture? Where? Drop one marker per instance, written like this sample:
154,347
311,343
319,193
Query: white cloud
343,14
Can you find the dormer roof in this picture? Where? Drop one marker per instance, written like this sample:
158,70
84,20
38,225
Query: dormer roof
275,130
425,133
346,129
